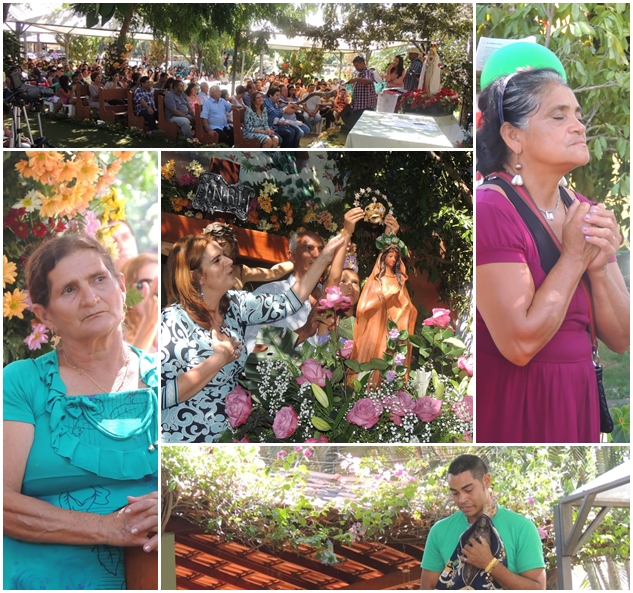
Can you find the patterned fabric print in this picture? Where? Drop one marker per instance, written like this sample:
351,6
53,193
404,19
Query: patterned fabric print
184,345
461,575
364,96
141,95
253,122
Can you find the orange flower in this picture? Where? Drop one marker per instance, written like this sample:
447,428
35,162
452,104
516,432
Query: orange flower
68,172
274,218
253,217
124,155
115,167
88,171
43,163
14,304
52,206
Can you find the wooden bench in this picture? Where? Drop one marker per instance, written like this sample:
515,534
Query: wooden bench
201,134
238,138
108,112
82,107
170,129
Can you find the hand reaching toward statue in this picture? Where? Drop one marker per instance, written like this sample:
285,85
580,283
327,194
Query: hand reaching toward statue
351,219
391,224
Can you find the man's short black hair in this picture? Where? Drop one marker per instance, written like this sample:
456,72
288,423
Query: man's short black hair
468,463
358,59
143,79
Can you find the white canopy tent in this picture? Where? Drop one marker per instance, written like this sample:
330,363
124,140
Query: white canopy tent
610,490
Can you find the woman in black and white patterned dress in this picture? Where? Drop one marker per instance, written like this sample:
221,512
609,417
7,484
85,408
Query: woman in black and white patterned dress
202,332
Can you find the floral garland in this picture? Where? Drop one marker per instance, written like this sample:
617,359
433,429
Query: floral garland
269,211
63,192
385,241
374,203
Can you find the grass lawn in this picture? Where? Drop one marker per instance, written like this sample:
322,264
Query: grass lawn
617,369
70,133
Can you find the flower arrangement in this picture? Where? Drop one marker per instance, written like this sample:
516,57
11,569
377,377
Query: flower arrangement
444,102
116,56
319,394
269,211
62,192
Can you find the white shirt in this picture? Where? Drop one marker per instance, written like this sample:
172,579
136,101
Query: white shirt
295,321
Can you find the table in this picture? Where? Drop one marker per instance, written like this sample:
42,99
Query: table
396,130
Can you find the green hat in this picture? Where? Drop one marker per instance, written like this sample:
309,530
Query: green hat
521,54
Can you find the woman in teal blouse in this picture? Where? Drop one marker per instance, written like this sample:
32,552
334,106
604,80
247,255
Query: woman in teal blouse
80,431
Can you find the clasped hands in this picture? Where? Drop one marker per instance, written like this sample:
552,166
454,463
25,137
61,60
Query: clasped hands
597,228
135,524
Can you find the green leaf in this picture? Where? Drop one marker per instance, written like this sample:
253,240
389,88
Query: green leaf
353,365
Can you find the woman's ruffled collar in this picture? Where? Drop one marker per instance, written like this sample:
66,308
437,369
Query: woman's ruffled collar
132,464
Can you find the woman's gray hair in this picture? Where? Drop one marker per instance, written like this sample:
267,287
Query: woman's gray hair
513,100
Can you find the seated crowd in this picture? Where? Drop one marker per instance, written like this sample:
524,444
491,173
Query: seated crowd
278,111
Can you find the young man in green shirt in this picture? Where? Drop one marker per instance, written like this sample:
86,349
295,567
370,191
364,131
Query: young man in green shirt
469,483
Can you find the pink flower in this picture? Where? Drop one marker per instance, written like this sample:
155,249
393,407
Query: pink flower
282,454
440,318
307,453
427,408
466,364
390,376
399,403
285,423
399,359
238,406
530,500
37,337
542,532
313,372
334,300
397,420
394,334
346,350
92,224
366,413
321,439
464,409
244,439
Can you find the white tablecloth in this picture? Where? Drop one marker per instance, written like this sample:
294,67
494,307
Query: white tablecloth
395,130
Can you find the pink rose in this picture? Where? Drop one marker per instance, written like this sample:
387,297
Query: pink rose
399,403
464,409
244,439
346,350
238,406
440,318
466,364
285,423
542,532
313,372
427,408
366,412
397,420
321,439
334,300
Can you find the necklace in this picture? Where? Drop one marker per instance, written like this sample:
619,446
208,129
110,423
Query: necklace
115,388
549,214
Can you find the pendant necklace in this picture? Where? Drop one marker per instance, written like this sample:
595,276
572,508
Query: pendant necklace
549,214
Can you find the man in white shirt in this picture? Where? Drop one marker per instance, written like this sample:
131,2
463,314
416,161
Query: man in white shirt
203,95
303,249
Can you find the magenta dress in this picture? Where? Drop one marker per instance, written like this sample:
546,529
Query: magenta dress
554,398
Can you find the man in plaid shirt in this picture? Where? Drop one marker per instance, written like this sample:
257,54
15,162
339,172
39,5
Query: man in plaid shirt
144,102
364,96
412,77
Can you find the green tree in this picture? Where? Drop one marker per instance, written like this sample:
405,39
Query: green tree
81,48
431,193
591,40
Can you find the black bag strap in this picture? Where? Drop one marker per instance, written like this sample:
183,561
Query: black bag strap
548,251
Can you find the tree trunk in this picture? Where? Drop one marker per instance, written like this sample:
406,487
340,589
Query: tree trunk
594,583
126,24
236,46
613,573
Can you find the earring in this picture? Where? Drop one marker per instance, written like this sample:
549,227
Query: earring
517,179
201,293
563,182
